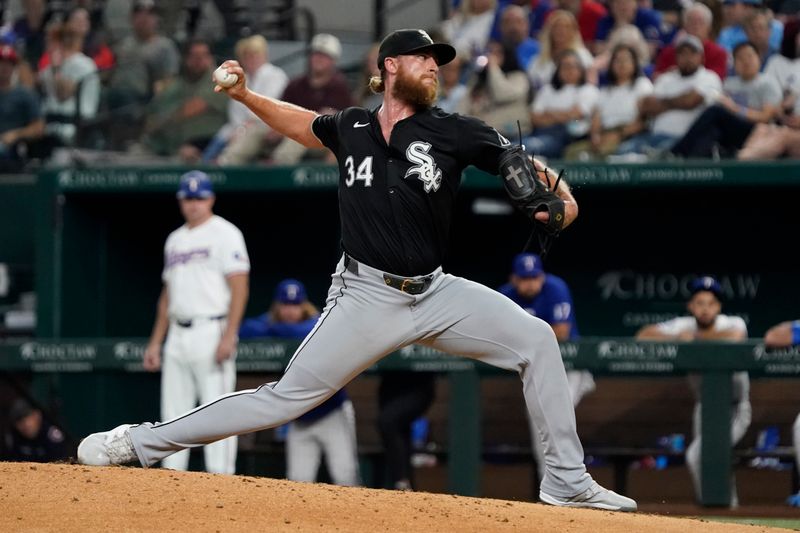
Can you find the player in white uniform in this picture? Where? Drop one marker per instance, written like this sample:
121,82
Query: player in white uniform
205,277
707,323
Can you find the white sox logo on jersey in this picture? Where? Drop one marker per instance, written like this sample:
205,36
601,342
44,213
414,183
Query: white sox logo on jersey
425,169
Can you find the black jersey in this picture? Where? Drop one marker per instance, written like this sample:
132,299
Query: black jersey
396,201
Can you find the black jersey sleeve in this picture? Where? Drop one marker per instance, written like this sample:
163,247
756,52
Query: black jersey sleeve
479,144
326,128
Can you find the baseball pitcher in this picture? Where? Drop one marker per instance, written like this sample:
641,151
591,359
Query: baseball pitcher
400,168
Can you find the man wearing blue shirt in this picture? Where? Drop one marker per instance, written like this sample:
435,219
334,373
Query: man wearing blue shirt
738,12
542,295
514,35
547,297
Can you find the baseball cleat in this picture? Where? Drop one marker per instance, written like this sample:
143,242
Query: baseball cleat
107,448
595,497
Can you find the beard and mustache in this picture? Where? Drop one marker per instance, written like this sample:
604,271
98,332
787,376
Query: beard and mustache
413,91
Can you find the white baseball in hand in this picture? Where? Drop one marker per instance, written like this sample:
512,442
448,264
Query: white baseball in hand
224,79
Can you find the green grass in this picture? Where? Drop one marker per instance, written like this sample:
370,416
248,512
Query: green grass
771,522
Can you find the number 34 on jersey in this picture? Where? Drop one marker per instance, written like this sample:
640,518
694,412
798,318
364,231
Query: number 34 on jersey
362,173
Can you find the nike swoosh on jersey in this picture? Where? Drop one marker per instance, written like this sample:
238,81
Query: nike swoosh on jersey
360,125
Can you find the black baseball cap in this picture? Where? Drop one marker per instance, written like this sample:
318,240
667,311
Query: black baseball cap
406,42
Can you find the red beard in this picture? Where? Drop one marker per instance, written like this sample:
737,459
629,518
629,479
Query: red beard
414,91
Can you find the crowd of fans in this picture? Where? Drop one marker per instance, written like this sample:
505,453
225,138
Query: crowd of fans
633,79
580,79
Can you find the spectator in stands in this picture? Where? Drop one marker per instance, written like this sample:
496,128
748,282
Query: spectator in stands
539,12
469,27
772,141
679,97
736,13
146,62
515,36
670,13
31,31
559,34
329,428
757,30
562,109
616,115
182,119
769,141
718,13
94,45
785,67
748,98
588,13
498,91
623,12
452,91
706,322
547,296
628,35
403,397
363,95
244,131
697,21
71,87
20,113
322,89
786,335
32,438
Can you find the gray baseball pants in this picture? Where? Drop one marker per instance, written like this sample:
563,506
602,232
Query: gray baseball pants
363,321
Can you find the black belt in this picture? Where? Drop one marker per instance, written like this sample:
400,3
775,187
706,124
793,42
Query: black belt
411,286
188,323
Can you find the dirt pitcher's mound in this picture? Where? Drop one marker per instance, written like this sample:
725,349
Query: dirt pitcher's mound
67,498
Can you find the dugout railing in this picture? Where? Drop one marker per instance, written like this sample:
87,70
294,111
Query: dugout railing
102,362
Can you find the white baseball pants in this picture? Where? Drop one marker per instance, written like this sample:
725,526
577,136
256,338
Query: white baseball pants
333,435
189,373
741,415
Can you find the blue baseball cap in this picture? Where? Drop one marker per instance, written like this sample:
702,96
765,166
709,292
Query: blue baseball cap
706,283
195,184
290,291
528,266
